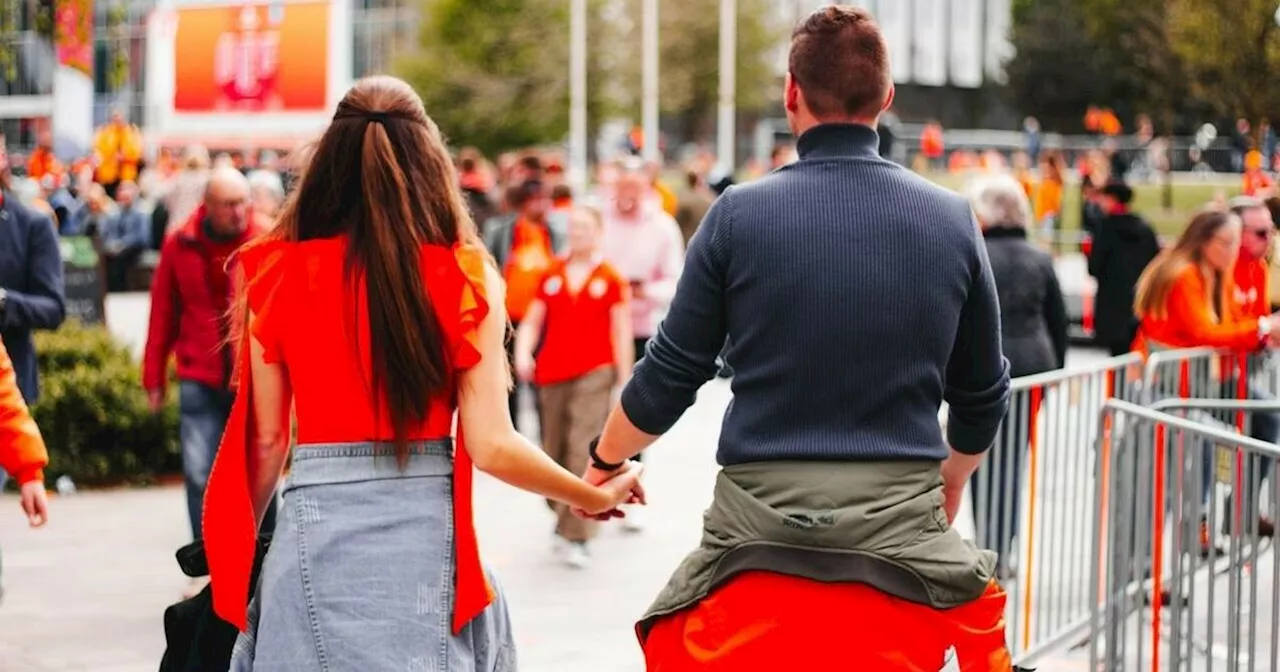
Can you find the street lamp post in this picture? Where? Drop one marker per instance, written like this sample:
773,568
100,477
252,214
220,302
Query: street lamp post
726,127
650,83
578,95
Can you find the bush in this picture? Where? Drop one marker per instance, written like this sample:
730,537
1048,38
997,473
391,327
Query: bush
93,411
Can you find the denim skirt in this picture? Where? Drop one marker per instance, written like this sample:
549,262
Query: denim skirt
360,573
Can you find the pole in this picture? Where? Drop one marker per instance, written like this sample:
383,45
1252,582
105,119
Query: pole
578,96
650,105
726,126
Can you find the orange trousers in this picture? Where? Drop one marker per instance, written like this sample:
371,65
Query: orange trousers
769,622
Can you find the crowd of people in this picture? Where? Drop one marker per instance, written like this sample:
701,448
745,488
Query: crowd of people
377,300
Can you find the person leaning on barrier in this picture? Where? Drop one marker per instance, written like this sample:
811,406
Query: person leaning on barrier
1184,300
858,296
1033,323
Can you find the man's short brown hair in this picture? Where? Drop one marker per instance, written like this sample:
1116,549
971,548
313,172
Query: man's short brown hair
840,61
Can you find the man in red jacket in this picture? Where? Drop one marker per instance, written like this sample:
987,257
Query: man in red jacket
190,297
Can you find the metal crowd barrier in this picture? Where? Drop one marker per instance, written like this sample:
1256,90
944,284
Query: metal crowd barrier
1027,499
1160,603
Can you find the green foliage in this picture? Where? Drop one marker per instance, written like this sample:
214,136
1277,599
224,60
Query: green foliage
494,74
93,411
1232,53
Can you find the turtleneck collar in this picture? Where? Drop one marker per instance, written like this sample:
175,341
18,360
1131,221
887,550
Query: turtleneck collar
838,140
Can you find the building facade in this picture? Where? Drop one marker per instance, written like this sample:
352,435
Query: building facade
379,30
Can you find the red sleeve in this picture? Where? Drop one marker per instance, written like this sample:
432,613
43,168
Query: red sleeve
162,332
263,267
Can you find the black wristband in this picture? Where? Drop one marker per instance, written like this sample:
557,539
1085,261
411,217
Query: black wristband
597,463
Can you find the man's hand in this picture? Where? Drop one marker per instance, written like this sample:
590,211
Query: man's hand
35,503
525,366
155,399
600,477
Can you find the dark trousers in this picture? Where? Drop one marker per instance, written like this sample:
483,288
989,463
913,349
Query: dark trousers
1263,426
118,269
996,489
513,399
203,413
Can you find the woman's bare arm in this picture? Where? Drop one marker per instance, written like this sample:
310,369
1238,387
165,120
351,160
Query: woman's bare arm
493,442
272,399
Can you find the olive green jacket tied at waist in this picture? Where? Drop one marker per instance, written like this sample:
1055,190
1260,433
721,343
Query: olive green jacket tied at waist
877,523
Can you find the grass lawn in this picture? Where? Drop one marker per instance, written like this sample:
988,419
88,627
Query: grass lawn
1148,201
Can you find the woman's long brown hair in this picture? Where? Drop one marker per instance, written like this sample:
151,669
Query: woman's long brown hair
1158,279
382,176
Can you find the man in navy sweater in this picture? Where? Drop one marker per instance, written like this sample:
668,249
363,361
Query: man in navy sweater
857,297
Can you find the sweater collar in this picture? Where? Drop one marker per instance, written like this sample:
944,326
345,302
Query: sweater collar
838,140
1004,231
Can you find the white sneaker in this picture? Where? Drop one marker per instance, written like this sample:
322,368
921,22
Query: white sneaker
634,520
576,555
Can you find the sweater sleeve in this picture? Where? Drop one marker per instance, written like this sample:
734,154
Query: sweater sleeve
1189,309
682,356
977,387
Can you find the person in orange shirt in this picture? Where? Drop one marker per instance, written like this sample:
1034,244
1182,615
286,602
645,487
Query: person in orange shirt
117,152
1256,181
43,161
1184,300
1048,194
524,244
1251,299
22,451
583,317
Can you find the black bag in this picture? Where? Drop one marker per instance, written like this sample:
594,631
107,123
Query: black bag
196,639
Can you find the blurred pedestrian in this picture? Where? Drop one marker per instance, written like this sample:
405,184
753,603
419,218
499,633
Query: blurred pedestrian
852,289
1033,328
125,234
371,315
1182,302
266,194
190,298
524,246
580,326
31,291
1048,193
91,217
1122,247
694,204
187,189
645,245
117,149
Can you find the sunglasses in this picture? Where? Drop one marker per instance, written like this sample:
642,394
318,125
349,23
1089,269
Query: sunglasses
1260,233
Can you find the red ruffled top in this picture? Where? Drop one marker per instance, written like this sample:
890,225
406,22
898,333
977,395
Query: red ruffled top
294,293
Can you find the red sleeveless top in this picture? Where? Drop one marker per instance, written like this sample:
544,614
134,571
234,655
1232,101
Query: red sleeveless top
295,292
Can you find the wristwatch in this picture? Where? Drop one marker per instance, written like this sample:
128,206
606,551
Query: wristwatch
596,462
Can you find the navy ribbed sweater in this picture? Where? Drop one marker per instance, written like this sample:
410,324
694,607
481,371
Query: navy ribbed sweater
857,297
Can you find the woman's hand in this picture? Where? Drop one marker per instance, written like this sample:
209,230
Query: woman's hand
35,503
619,487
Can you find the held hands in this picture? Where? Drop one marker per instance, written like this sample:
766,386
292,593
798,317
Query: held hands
621,486
35,503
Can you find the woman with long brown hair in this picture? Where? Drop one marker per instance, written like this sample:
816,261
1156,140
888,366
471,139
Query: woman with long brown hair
371,313
1182,295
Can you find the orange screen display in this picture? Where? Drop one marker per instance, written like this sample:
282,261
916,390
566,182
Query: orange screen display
252,58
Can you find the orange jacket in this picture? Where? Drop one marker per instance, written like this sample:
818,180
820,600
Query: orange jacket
22,451
1189,320
42,162
761,621
1251,290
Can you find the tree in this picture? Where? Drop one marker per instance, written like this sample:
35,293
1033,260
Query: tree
495,73
689,60
1053,75
1232,53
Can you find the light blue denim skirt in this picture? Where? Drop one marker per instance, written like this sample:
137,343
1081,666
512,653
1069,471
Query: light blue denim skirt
360,573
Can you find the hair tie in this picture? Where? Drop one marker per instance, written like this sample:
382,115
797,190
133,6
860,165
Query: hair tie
380,117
